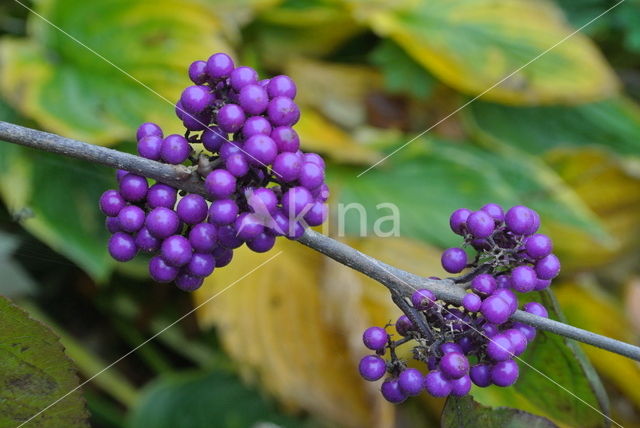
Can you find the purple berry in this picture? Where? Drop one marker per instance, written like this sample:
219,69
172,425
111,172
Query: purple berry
523,279
262,243
495,310
505,373
519,219
111,203
146,241
281,86
196,121
480,374
314,158
213,138
176,250
230,118
120,173
528,331
411,381
472,302
372,368
454,260
162,222
535,224
458,220
203,237
436,384
198,72
538,246
423,299
256,125
253,99
237,165
286,139
546,268
243,76
375,338
509,297
500,348
283,111
248,226
122,247
223,256
201,264
484,284
160,271
287,166
404,325
195,99
261,150
220,183
454,365
518,340
449,347
228,237
503,281
466,344
495,211
230,148
175,149
391,391
480,224
262,200
536,308
317,214
490,330
192,209
296,200
219,66
541,284
188,282
148,129
461,386
161,195
112,224
149,147
223,212
133,188
311,175
131,218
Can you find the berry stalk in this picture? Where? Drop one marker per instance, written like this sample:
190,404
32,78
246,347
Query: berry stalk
397,281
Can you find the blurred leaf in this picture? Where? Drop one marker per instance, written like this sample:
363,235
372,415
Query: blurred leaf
556,381
201,400
444,176
401,73
35,373
274,324
464,412
613,123
14,280
473,44
592,310
70,90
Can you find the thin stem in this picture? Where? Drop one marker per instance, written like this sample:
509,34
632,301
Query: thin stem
399,282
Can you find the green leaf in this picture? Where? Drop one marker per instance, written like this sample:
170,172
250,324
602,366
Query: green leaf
445,176
401,73
464,412
35,373
473,45
612,123
200,399
72,91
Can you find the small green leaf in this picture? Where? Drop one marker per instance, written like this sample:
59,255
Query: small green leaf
401,73
464,412
203,399
35,373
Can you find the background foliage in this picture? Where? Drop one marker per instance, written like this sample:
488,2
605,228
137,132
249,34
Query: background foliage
561,135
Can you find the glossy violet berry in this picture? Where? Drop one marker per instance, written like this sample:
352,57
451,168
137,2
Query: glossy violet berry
449,347
458,220
495,211
111,202
237,164
411,381
253,99
262,200
201,264
112,224
281,86
223,212
161,195
423,299
133,187
262,243
535,224
243,76
228,237
311,175
287,166
188,282
461,386
148,129
375,338
160,271
484,284
518,340
146,241
536,308
372,368
499,348
219,66
196,121
261,150
122,247
480,375
283,111
195,99
509,297
131,218
256,125
547,267
220,183
495,310
198,72
480,224
523,279
213,138
223,256
528,331
519,219
176,250
203,237
471,302
248,226
296,200
505,373
436,384
541,284
404,325
149,147
230,118
317,214
454,365
538,246
454,260
162,222
391,391
192,209
286,139
175,149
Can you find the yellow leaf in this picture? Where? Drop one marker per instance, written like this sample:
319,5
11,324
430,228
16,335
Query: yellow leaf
473,44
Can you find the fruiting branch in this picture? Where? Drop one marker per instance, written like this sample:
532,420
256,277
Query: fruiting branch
401,283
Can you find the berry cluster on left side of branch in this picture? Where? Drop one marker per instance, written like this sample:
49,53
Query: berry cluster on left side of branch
240,139
475,342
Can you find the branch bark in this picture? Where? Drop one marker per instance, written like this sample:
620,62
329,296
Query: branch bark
399,282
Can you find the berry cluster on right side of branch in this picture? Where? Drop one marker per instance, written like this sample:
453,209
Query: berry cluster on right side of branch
475,342
240,139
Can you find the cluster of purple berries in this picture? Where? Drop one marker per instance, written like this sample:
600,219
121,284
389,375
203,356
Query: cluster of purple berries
476,342
240,139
